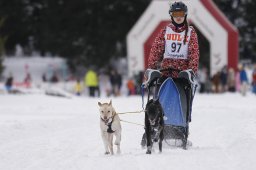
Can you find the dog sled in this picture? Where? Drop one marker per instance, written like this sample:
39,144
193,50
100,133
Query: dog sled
175,96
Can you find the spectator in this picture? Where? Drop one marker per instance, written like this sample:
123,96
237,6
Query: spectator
54,78
243,80
216,82
231,80
115,82
78,87
237,80
138,81
254,79
119,83
9,83
223,79
27,80
92,82
44,78
130,87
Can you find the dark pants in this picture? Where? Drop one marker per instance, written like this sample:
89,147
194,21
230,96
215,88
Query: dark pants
92,91
202,87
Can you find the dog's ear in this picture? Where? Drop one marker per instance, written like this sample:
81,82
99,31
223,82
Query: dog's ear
110,103
99,103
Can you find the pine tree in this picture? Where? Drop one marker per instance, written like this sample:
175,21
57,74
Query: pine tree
2,42
242,13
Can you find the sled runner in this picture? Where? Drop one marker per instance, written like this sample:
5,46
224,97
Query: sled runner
175,96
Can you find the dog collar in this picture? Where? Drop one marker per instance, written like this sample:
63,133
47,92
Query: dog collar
106,121
109,130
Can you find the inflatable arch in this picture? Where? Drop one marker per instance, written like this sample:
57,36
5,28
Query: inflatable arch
221,34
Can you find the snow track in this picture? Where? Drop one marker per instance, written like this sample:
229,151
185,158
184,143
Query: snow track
52,133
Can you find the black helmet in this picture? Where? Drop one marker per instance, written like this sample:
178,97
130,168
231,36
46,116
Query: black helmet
178,6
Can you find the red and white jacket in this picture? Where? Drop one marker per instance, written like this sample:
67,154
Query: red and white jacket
158,48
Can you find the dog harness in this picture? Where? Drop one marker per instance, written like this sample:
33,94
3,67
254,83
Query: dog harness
109,130
157,132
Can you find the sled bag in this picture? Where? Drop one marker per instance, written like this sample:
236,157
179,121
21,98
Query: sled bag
169,98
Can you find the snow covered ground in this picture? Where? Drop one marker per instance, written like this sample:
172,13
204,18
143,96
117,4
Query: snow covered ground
39,132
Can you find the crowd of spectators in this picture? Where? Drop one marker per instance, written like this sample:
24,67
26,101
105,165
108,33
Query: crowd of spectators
242,79
111,82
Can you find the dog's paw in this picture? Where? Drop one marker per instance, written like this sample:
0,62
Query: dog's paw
148,152
117,143
106,153
184,147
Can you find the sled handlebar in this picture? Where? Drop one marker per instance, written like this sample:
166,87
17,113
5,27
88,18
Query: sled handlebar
170,69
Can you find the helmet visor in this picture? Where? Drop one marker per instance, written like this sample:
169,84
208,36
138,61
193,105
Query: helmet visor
178,14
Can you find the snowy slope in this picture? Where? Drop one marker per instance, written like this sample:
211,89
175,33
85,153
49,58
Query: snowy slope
53,133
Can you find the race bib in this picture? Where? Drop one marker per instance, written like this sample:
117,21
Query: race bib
174,44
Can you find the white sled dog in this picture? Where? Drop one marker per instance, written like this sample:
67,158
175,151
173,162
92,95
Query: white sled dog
110,125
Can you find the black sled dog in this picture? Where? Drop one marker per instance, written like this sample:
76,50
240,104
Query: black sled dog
154,124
